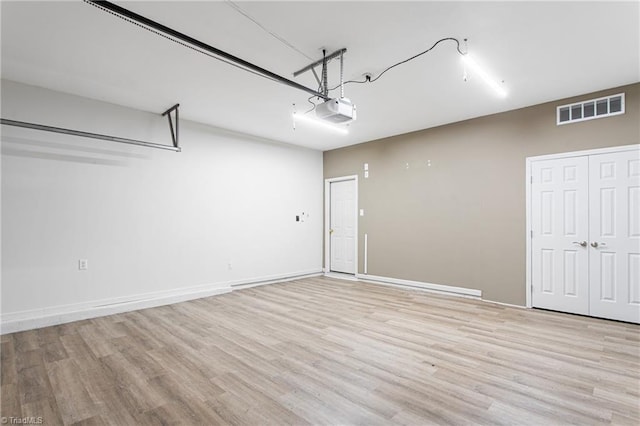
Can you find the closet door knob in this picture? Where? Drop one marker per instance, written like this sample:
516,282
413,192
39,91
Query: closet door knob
582,244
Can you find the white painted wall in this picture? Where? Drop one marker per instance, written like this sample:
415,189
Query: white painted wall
151,223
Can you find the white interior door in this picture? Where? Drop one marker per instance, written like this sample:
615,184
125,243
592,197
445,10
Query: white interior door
614,187
342,226
560,234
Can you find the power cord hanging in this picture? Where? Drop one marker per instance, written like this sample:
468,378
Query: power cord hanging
368,78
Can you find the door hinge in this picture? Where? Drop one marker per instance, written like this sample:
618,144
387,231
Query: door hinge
531,232
531,178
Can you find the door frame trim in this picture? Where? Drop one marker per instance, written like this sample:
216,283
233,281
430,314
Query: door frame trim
327,219
529,204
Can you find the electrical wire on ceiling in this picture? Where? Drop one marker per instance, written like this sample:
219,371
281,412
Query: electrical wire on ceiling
368,78
265,29
215,53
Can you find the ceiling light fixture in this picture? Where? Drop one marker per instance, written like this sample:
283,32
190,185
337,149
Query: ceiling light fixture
478,70
319,123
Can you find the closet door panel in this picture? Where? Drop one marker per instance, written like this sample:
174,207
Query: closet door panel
614,236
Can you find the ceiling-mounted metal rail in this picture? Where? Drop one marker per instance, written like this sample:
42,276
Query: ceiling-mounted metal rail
335,54
45,128
113,8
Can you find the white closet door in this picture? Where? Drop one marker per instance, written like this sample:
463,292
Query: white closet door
614,274
560,252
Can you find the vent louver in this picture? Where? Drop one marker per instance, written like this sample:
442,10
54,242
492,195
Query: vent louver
588,110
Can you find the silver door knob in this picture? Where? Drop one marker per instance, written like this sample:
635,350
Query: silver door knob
594,244
580,243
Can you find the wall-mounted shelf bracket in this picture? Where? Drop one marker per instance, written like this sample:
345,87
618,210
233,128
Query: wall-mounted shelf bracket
45,128
174,132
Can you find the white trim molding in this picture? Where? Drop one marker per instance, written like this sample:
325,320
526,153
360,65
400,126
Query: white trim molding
55,315
438,288
510,305
595,151
242,284
341,276
38,318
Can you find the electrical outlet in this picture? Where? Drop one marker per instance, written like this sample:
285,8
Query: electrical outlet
83,264
229,265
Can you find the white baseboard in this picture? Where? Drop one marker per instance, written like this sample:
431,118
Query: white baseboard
341,276
242,284
510,305
38,318
439,288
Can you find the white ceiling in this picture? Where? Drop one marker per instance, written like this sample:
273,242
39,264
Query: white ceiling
542,50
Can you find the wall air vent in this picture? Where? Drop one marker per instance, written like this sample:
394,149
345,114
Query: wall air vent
588,110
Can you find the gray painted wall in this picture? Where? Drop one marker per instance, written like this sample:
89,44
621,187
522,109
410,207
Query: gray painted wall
461,220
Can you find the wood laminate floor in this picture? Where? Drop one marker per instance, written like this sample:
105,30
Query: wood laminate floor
324,351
